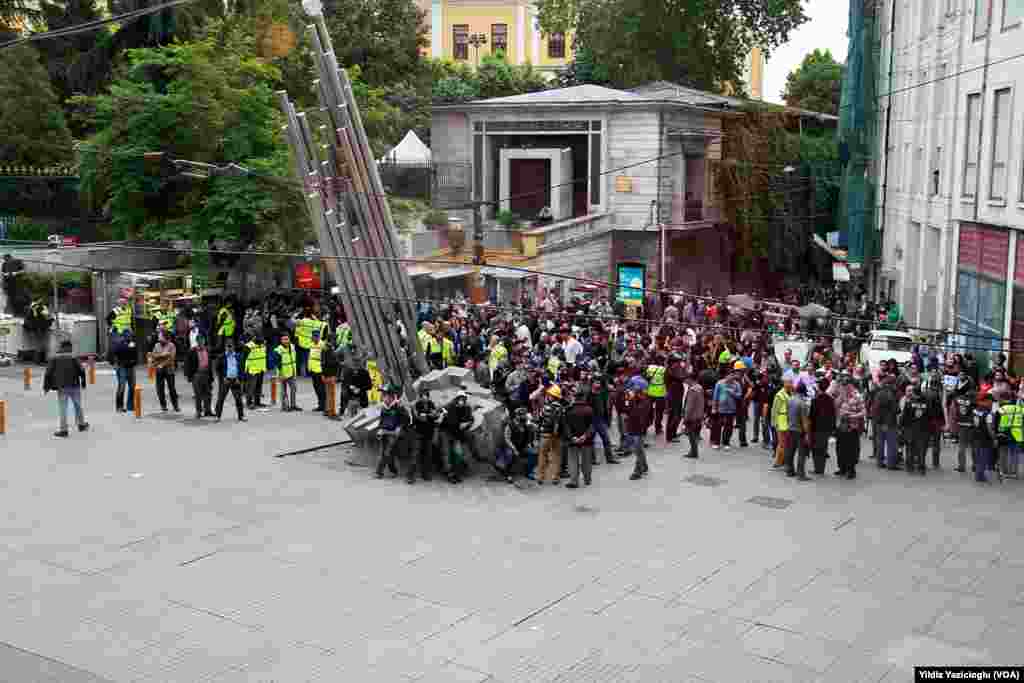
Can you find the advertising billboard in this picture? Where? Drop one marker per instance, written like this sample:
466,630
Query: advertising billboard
631,284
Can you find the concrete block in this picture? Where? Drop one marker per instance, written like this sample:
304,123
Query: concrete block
459,377
434,380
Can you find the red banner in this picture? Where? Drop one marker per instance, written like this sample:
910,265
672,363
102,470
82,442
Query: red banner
984,250
1019,273
970,247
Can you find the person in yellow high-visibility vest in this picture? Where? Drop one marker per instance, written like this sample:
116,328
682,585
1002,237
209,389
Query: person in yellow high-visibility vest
316,368
1011,427
124,316
376,381
304,337
255,366
448,352
225,324
286,367
656,390
497,353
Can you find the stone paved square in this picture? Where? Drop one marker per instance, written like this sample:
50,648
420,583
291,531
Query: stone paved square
145,550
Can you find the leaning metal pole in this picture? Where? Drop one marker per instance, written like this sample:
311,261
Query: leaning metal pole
351,216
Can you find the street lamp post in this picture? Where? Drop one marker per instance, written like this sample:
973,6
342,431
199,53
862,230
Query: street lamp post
477,40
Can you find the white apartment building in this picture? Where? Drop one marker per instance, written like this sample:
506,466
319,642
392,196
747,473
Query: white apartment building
951,194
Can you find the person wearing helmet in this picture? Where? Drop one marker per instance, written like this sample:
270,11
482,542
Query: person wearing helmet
455,426
637,409
549,458
741,371
394,417
425,415
725,403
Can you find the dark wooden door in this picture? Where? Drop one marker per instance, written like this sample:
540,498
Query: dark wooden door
529,186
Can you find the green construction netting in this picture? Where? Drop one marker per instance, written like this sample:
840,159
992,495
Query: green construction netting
857,131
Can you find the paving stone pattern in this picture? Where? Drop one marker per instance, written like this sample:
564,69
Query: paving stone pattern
148,551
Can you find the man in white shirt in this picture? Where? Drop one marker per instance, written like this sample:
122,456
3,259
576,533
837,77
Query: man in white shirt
573,348
523,335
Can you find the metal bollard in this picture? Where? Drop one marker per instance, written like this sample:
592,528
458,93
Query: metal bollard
92,371
273,391
138,402
28,378
3,417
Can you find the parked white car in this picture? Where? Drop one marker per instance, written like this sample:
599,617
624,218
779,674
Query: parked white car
884,345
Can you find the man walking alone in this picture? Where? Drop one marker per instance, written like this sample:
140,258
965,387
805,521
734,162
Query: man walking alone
66,375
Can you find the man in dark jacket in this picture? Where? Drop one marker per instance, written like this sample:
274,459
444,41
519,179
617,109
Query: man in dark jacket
884,408
228,367
124,356
394,418
823,425
425,415
355,382
601,403
580,435
675,377
199,371
693,413
455,427
638,415
66,376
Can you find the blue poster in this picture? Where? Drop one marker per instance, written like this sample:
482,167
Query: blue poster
631,285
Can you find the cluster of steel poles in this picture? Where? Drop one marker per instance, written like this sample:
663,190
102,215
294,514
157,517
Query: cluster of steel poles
350,214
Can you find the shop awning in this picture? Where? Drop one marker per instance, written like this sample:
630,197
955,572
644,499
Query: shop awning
417,271
503,273
449,273
840,273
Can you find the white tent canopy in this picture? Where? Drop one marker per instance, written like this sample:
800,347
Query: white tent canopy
410,150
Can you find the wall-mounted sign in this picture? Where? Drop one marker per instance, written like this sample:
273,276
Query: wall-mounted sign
631,284
623,183
307,276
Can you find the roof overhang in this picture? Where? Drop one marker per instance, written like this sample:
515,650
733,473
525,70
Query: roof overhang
600,105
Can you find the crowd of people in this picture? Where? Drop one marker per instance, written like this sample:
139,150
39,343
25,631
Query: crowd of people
573,375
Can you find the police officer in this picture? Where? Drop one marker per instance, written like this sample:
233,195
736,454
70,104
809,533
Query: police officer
394,417
963,408
915,420
225,325
1011,434
316,368
255,366
657,390
983,436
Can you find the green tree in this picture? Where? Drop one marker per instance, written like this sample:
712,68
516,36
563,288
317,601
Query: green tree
32,126
494,78
382,37
816,84
695,42
200,101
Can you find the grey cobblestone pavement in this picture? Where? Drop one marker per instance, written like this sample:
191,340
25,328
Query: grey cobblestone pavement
149,550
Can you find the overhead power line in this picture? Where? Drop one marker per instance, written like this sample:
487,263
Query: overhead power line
88,26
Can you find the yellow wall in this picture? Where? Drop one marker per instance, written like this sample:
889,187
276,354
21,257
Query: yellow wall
479,19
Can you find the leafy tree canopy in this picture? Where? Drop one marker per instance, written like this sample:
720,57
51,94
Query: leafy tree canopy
382,37
495,77
695,42
199,101
816,84
33,130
